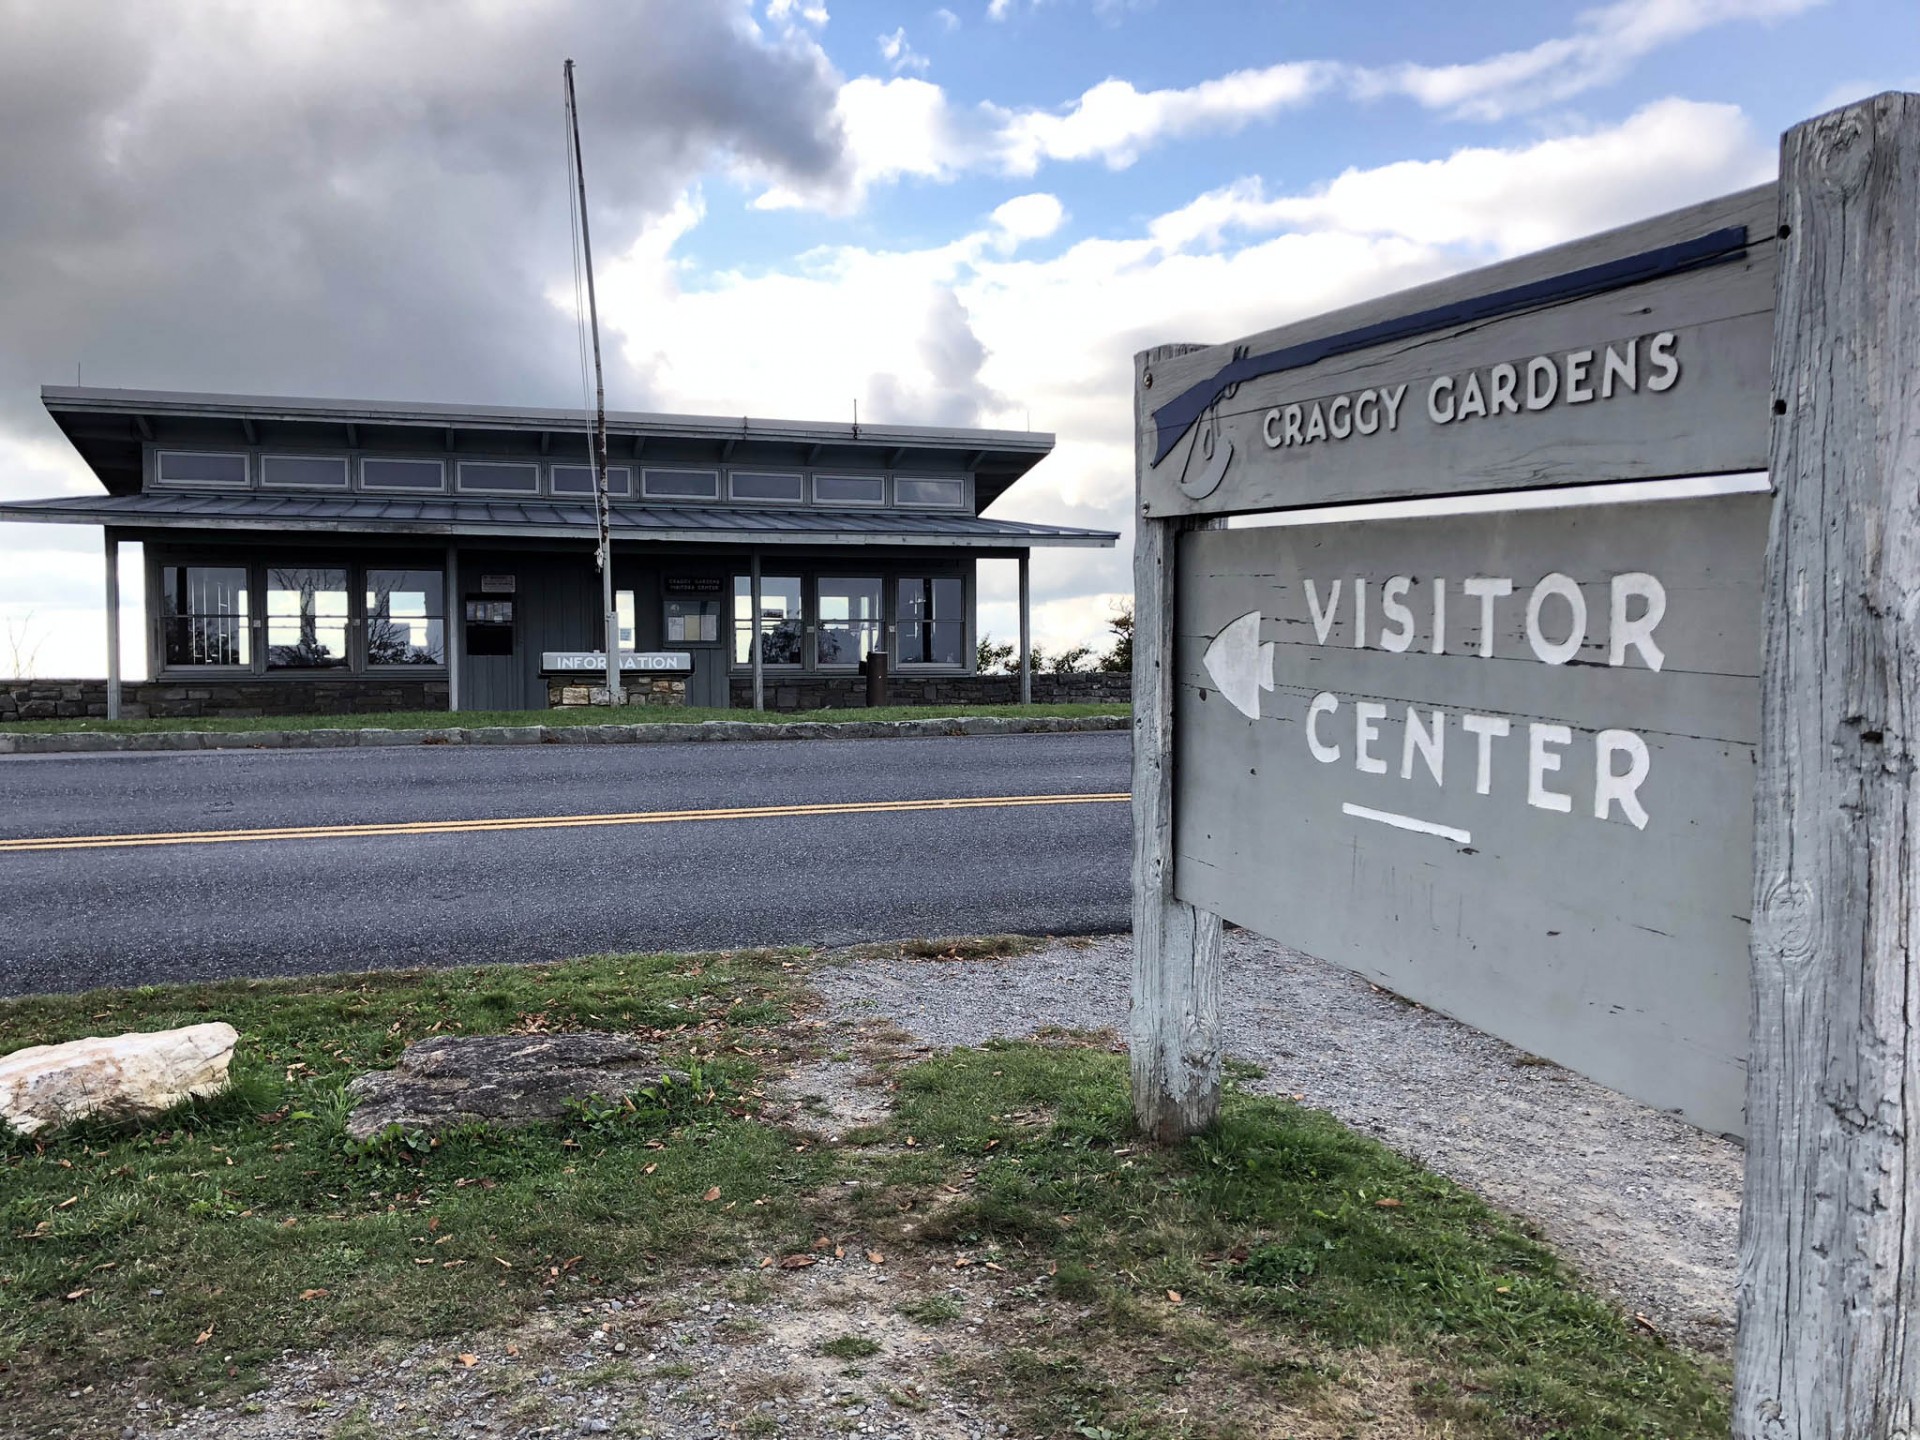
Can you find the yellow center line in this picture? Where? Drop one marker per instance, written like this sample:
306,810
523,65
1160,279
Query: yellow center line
35,843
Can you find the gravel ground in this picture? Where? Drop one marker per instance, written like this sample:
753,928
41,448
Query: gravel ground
1643,1204
736,1355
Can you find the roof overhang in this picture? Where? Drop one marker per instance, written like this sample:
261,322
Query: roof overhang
518,520
110,428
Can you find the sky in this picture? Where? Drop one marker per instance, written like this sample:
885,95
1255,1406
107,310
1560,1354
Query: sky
972,213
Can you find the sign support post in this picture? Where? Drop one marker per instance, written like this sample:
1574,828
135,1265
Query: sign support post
1829,1248
1175,1020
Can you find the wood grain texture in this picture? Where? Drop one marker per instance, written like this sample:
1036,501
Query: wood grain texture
1175,1022
1830,1242
1713,421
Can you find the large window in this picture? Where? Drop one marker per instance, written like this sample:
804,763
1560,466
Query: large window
932,621
849,619
406,618
306,617
781,633
203,615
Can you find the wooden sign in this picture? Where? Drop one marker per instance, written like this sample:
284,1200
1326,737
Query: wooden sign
1525,767
1469,758
1633,355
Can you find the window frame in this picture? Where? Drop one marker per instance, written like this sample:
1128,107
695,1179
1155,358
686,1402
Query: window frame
160,482
878,477
964,620
358,595
799,477
156,592
647,471
963,503
257,566
625,492
465,463
360,475
346,472
819,623
742,625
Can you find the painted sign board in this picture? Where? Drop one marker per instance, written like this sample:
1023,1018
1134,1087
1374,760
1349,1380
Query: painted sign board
1638,354
671,662
498,584
1502,764
693,585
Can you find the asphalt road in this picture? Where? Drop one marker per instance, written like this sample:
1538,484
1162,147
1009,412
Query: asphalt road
90,913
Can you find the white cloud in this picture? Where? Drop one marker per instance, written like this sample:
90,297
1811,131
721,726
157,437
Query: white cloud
1113,122
976,331
949,21
786,12
910,128
893,129
1027,217
895,50
1604,45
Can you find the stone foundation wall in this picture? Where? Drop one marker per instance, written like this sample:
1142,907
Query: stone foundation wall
640,690
841,692
204,699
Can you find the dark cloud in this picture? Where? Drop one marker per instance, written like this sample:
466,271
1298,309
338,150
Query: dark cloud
356,198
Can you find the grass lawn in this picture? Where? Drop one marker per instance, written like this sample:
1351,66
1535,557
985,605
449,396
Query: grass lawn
1193,1291
571,715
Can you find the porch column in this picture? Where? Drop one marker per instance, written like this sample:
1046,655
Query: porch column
759,678
113,625
1026,630
451,610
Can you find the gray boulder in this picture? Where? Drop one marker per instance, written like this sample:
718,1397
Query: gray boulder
501,1080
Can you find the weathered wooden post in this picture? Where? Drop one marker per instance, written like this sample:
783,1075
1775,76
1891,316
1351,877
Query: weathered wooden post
1175,1026
1830,1233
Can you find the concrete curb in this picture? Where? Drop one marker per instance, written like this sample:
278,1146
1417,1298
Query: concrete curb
96,743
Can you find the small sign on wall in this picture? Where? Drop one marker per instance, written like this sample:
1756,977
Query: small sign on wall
498,584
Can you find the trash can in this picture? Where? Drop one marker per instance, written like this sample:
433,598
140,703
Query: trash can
874,667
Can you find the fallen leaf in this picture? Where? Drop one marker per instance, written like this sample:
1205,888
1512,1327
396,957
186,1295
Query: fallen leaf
995,1268
469,1360
874,1257
823,1243
839,1252
423,1262
314,1294
79,1294
993,1144
204,1336
451,1264
711,1195
70,1200
797,1262
501,1263
1388,1204
912,1141
513,1349
109,1265
1503,1289
961,1263
1174,1296
765,1261
651,1168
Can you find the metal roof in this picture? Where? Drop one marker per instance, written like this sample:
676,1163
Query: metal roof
109,426
553,519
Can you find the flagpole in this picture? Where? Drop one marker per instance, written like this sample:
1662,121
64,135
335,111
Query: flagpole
604,556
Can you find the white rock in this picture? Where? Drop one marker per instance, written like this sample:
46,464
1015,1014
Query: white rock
114,1077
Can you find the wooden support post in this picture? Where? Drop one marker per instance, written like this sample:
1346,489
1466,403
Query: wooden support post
1175,1029
1829,1245
1026,630
113,625
454,610
759,669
